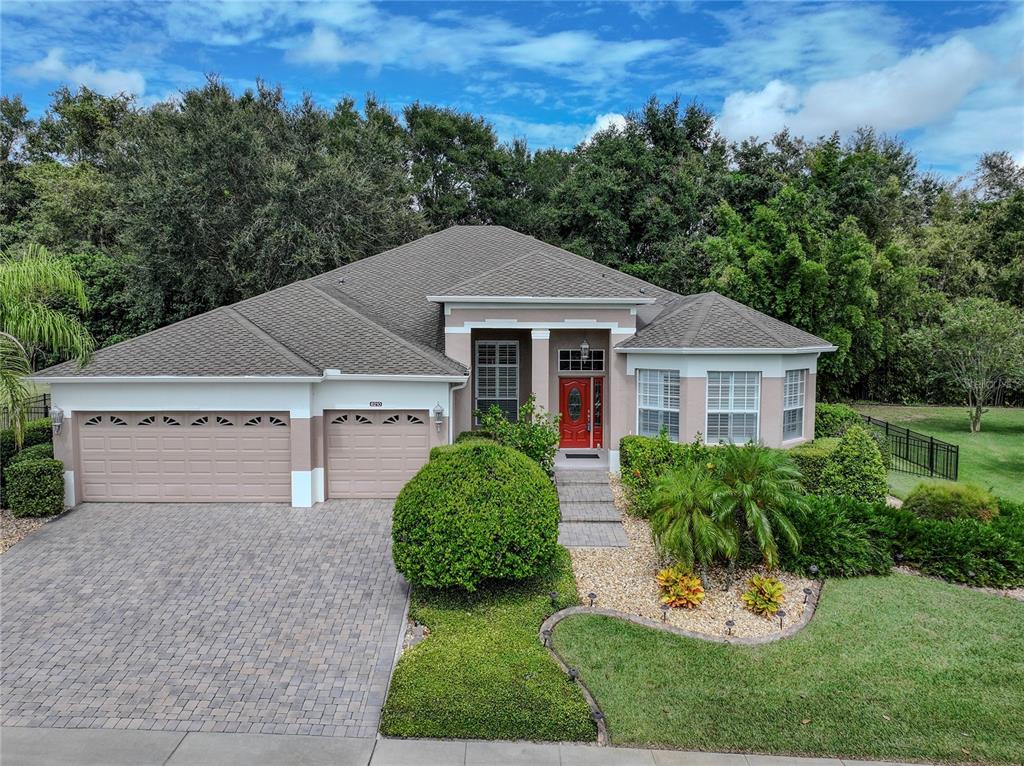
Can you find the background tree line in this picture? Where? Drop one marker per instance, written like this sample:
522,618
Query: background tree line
175,209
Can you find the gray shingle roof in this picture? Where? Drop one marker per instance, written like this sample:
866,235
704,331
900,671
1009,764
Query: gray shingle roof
373,316
710,320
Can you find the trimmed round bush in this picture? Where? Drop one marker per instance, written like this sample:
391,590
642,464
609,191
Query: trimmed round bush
952,501
476,512
35,487
855,468
834,419
35,452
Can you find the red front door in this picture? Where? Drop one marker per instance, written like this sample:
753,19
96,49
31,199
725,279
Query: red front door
574,406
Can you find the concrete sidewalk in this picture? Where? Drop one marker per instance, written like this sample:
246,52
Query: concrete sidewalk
104,747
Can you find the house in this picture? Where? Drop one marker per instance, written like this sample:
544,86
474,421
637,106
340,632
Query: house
339,385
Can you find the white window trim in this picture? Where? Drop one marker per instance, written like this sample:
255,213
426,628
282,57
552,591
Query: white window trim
477,365
679,400
801,406
707,404
570,349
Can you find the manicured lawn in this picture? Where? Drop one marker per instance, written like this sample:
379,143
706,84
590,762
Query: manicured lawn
993,458
482,673
896,667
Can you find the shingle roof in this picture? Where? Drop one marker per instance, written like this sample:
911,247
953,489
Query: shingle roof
710,320
373,316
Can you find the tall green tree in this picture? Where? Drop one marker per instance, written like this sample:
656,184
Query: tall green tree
28,282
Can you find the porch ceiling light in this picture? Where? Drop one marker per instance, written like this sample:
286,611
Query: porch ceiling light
584,350
438,416
56,418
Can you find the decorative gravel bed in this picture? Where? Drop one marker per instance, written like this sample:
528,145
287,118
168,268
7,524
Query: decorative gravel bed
623,579
13,529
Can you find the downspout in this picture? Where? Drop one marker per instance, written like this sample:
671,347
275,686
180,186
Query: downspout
452,388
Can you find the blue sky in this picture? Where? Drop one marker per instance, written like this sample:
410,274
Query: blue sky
948,77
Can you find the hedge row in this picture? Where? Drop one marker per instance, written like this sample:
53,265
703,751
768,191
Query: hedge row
36,432
34,487
843,537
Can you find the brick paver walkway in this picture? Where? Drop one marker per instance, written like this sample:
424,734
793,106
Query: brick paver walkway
251,618
589,517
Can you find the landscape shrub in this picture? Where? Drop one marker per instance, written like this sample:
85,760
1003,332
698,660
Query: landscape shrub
443,450
811,459
472,436
834,419
644,460
680,587
35,452
1010,521
952,501
478,512
855,468
765,595
36,432
35,487
836,538
963,550
535,433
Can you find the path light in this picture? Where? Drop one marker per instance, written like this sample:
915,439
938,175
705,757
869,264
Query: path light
547,637
664,612
729,625
592,596
807,594
598,716
553,595
898,557
970,574
782,616
574,675
813,569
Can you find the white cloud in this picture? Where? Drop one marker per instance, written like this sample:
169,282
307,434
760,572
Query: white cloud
605,121
922,88
560,135
109,82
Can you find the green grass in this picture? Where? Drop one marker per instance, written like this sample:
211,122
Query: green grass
482,672
993,458
897,667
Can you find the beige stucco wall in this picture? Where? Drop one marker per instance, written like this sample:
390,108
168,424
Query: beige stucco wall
810,399
692,410
771,411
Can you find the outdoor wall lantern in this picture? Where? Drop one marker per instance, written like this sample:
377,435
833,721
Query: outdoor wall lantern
56,418
584,350
438,416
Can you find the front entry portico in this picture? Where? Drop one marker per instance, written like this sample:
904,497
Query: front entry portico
581,406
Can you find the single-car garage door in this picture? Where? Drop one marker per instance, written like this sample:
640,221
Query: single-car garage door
186,456
374,453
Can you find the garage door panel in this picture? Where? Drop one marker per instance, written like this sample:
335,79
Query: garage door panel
194,457
373,454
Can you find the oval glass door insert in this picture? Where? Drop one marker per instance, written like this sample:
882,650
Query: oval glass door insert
575,403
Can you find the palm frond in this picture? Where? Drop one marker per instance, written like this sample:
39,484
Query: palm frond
37,274
37,324
14,394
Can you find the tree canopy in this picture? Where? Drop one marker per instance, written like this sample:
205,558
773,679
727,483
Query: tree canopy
176,208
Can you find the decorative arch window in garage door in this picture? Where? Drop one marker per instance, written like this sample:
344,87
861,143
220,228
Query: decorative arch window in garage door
188,457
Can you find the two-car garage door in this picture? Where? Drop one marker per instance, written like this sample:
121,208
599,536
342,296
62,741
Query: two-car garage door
238,456
185,456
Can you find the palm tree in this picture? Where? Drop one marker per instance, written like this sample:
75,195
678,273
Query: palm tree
689,505
29,283
761,486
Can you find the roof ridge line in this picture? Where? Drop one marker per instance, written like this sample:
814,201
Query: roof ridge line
698,324
414,347
263,335
731,305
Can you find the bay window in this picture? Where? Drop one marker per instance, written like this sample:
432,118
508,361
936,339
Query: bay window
657,399
734,404
793,394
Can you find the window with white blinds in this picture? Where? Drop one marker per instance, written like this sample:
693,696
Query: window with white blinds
793,393
734,404
497,376
657,399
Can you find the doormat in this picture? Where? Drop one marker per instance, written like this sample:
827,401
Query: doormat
578,455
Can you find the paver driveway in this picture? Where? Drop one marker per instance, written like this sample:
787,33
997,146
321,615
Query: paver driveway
217,617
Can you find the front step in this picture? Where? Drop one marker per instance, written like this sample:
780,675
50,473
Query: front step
567,477
584,493
589,512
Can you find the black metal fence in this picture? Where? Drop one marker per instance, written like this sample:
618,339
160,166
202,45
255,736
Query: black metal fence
916,453
39,407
